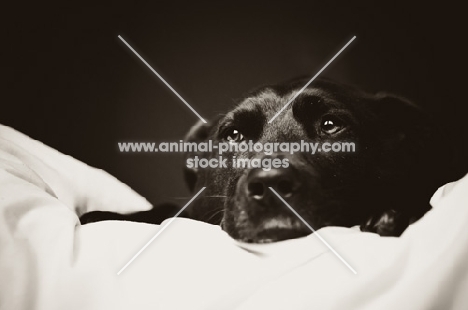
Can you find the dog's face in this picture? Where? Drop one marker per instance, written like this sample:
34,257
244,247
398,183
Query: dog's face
364,187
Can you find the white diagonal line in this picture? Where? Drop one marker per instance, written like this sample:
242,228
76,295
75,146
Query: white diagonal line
311,80
159,232
313,230
161,78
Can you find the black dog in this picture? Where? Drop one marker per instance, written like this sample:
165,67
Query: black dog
383,186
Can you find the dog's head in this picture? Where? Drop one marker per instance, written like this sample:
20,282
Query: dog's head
381,186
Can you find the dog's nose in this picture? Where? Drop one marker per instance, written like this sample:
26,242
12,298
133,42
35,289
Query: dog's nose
281,180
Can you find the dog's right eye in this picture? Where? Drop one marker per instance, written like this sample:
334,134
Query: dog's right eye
233,135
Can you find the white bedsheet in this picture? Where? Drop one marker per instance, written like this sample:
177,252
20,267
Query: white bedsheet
49,261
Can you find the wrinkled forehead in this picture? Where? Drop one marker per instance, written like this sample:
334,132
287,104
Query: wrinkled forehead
264,104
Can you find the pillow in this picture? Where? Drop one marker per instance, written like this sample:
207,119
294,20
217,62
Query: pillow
80,187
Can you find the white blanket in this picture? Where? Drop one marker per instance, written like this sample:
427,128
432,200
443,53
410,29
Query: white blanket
49,261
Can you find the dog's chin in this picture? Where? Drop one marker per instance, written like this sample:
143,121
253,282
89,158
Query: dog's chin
273,230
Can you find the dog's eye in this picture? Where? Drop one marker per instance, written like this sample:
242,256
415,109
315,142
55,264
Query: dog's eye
331,125
234,135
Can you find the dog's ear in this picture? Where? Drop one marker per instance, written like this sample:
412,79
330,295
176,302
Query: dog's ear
403,136
415,157
199,132
400,119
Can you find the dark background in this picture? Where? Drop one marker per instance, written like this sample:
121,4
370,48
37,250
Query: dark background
73,85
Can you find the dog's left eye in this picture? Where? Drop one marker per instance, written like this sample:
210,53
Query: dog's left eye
331,125
234,135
